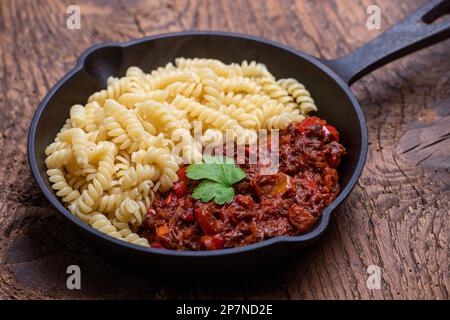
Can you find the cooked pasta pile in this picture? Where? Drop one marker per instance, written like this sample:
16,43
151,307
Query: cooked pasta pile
129,139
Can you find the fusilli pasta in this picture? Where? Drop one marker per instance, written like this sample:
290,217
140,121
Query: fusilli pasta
130,138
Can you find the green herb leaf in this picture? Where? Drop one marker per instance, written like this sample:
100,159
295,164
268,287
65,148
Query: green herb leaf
199,171
208,190
218,160
218,169
218,175
232,174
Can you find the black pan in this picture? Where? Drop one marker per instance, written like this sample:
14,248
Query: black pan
328,81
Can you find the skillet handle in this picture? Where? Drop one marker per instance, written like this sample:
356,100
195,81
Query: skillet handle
415,32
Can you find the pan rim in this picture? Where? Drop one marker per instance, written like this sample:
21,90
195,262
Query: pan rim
301,239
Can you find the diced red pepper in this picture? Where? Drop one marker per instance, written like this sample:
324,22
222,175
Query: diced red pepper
182,174
212,242
310,185
334,160
157,245
180,189
330,130
245,201
187,217
205,220
151,212
309,123
170,200
334,152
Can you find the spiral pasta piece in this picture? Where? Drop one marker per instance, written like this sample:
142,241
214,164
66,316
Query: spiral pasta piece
101,223
122,163
59,183
67,125
269,110
59,158
164,160
177,130
281,121
95,189
117,133
116,87
78,116
56,146
161,70
134,238
300,94
161,81
127,210
130,99
127,119
238,84
254,69
211,117
275,91
109,203
134,175
190,149
76,181
94,115
122,227
135,72
97,135
217,66
213,96
245,119
79,141
188,90
162,116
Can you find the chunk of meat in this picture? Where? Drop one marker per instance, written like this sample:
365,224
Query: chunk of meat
273,185
206,220
301,218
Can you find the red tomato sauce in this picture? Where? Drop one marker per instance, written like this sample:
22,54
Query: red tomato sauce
289,202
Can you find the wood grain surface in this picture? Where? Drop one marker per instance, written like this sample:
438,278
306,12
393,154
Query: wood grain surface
396,218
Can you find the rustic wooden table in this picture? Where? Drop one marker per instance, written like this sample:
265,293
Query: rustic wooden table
396,218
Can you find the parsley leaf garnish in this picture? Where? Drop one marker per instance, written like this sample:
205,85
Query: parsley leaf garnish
218,174
207,190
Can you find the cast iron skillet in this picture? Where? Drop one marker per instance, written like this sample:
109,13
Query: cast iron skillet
328,81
